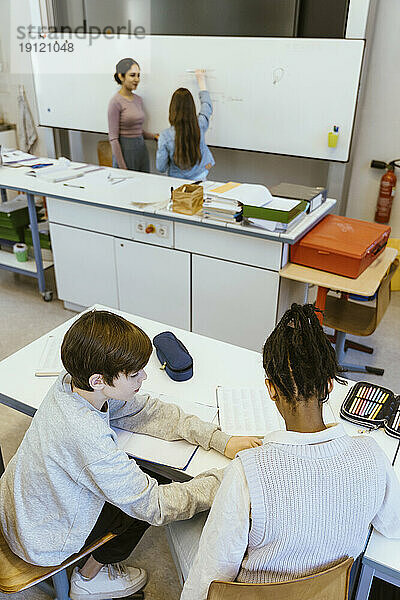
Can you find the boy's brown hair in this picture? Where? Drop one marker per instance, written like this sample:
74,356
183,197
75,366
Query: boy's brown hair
105,343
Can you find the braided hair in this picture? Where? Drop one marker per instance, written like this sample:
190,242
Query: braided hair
298,357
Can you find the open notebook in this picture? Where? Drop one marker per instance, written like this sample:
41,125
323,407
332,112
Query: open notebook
177,454
245,411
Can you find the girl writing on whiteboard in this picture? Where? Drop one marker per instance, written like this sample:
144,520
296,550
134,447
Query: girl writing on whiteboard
126,118
305,499
182,150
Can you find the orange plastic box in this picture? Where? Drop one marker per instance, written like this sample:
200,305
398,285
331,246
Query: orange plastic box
341,245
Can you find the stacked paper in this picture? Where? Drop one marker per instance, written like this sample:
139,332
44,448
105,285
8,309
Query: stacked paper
246,193
221,209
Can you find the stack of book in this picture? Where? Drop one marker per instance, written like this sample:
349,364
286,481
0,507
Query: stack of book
254,204
225,202
222,209
280,214
314,196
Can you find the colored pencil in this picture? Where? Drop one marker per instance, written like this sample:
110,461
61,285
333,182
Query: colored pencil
353,404
376,411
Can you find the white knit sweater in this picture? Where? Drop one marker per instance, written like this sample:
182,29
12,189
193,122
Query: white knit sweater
311,498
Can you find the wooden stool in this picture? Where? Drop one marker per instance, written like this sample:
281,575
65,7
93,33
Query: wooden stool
17,575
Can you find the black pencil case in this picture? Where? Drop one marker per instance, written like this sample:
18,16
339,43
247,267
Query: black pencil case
173,356
372,406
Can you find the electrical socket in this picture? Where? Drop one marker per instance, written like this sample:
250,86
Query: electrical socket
162,231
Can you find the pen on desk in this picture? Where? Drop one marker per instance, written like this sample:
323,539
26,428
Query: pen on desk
95,169
82,187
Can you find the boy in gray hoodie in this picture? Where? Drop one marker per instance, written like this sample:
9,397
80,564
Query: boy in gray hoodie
69,483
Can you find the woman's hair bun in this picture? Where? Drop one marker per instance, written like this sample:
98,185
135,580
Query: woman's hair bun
117,79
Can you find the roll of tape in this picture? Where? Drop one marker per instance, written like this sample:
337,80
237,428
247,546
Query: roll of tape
21,252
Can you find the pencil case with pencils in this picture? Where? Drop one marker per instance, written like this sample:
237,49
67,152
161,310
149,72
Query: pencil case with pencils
372,406
173,356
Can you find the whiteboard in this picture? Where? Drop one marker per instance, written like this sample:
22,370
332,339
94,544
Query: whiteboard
276,95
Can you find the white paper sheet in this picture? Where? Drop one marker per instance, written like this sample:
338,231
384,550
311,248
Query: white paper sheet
244,411
246,193
176,454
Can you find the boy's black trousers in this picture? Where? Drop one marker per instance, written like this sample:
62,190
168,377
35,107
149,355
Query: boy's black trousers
128,529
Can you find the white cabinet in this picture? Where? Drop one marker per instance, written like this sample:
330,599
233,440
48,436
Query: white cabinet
84,265
221,284
232,302
153,282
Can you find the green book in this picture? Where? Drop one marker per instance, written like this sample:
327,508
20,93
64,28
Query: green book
282,210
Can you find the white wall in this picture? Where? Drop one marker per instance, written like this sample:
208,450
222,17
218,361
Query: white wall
10,81
230,164
379,120
378,131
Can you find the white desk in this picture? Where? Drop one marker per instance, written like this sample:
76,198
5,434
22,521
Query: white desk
220,280
381,558
215,363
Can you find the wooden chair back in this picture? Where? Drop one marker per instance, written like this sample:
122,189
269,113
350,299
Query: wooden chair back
356,318
104,153
331,584
384,292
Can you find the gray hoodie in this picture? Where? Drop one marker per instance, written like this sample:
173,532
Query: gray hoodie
69,464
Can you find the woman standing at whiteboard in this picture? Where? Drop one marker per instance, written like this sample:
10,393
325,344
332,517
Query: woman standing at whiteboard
125,120
182,150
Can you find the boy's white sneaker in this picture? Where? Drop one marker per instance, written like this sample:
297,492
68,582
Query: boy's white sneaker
112,581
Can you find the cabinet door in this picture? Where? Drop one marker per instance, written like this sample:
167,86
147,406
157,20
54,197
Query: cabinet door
233,303
154,282
84,266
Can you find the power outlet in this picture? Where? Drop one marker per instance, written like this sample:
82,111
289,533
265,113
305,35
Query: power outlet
150,230
162,231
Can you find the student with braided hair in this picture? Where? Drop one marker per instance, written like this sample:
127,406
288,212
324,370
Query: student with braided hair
305,499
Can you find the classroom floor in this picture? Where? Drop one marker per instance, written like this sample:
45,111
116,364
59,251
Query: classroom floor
24,317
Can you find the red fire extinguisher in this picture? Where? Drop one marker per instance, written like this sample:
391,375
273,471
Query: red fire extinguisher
387,191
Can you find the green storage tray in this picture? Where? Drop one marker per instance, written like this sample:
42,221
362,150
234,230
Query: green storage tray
13,235
14,213
43,237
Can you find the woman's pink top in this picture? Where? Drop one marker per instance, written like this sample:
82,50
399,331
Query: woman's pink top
125,118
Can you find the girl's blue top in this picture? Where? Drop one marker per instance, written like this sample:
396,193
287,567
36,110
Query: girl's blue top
166,146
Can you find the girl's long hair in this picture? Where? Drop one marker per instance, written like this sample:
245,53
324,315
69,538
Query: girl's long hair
183,117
